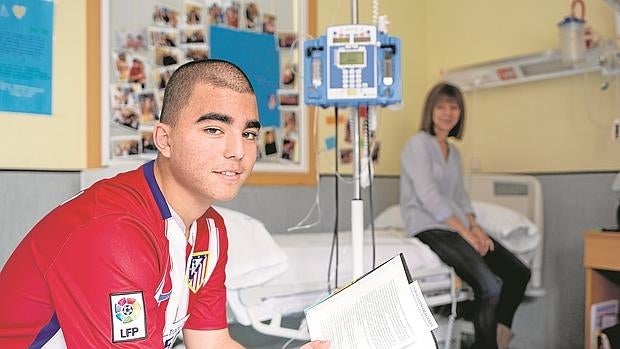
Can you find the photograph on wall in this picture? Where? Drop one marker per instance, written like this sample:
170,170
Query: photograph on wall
137,71
163,36
196,52
269,23
166,56
215,12
286,40
132,41
375,151
252,16
149,108
165,16
122,60
231,13
289,74
126,116
161,75
288,98
289,149
346,156
125,147
194,13
348,136
124,94
193,35
269,142
148,146
289,124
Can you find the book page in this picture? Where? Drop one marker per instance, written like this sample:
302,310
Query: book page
378,311
423,308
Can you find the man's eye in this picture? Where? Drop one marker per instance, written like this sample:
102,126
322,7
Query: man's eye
213,131
250,135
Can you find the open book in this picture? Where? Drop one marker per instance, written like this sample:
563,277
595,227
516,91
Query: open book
380,310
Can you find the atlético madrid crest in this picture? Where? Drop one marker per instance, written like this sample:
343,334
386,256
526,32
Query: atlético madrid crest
197,270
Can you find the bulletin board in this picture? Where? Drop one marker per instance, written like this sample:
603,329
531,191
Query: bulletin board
144,41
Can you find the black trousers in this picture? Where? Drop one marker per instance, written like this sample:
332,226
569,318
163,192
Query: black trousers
498,280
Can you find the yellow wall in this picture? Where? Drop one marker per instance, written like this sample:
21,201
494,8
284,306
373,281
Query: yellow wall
59,141
548,126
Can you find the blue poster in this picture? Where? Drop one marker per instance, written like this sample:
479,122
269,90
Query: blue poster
26,28
257,55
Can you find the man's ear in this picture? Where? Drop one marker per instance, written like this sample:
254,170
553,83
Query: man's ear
161,137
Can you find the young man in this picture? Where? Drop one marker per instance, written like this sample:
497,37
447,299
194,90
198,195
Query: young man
133,260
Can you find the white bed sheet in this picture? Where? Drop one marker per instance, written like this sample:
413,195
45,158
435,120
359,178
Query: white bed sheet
308,259
302,273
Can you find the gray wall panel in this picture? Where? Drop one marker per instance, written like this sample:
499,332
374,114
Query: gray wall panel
573,203
26,197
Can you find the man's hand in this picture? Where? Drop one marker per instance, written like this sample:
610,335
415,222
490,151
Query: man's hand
316,345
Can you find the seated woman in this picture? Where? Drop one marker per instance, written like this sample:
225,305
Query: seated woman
438,211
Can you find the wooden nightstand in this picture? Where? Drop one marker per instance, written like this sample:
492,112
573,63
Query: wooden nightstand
601,259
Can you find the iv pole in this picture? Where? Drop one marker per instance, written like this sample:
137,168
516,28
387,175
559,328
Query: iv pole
357,204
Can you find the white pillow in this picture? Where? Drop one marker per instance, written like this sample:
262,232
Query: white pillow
253,256
517,232
513,229
500,220
390,218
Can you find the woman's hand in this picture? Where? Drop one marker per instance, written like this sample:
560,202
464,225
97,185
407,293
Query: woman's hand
473,240
316,345
474,236
485,242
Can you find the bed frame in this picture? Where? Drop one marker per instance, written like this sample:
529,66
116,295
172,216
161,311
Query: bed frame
519,192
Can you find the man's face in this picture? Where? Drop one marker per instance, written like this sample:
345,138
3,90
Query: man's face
213,144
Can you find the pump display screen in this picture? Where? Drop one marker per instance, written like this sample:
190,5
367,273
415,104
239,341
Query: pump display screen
351,58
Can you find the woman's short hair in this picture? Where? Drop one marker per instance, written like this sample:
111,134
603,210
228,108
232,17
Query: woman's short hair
439,92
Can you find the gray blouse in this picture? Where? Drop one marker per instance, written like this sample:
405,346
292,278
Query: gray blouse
431,187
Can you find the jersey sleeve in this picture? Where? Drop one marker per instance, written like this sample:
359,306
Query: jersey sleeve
103,284
208,306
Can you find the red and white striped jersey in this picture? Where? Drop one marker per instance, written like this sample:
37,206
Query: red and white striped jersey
112,267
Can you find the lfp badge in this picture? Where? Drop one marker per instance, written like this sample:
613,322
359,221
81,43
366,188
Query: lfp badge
128,317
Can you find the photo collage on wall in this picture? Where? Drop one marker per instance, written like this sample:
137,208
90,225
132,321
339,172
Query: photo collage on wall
143,61
345,153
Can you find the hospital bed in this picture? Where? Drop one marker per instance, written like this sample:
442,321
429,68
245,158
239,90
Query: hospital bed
270,276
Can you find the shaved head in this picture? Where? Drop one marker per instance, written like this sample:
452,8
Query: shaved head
213,72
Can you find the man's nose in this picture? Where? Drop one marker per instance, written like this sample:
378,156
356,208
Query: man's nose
234,147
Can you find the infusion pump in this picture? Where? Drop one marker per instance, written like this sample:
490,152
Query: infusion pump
352,65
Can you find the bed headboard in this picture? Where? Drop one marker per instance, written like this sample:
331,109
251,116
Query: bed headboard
521,193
